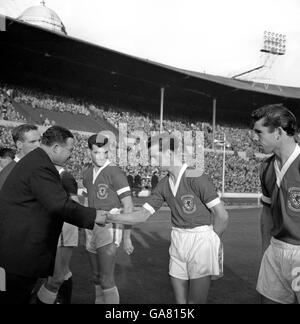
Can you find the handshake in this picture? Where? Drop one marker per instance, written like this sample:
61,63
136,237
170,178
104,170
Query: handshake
105,217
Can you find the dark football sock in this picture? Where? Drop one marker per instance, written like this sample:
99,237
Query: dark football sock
65,292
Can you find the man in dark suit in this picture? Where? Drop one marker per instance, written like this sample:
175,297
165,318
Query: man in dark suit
26,138
34,206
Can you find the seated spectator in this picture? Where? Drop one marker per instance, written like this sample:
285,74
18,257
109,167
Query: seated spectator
41,119
47,122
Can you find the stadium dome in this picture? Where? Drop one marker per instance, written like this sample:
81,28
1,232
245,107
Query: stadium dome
44,17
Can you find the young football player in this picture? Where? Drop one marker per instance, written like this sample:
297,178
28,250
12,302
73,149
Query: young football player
107,188
279,277
198,222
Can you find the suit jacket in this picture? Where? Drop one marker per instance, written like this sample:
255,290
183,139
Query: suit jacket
33,207
6,171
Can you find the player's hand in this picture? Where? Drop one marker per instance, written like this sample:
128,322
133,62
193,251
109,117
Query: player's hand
110,217
127,245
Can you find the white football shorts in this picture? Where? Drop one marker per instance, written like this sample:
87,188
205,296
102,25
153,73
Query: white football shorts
68,236
104,235
279,275
195,253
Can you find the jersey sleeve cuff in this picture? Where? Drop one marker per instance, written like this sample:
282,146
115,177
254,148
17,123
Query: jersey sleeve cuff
266,200
213,203
122,191
149,208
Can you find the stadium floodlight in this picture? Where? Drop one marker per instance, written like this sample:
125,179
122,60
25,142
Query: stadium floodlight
274,43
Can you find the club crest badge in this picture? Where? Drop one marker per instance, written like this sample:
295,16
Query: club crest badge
294,199
188,204
102,192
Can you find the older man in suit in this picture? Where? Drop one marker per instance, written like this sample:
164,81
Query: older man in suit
34,206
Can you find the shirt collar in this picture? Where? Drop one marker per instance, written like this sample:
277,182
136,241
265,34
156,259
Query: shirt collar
61,171
96,174
280,173
174,187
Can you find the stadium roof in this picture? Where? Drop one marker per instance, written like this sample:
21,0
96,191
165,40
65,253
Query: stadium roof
44,17
33,56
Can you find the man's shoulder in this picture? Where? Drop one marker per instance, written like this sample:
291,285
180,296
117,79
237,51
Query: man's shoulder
4,173
163,182
34,158
87,171
193,173
87,168
67,175
268,160
197,176
267,165
8,168
113,169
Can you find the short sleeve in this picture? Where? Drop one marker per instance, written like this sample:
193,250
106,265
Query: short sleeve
266,197
206,191
156,200
120,183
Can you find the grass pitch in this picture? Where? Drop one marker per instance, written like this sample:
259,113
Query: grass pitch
142,278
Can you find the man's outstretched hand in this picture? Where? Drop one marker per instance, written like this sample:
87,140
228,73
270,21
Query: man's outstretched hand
101,218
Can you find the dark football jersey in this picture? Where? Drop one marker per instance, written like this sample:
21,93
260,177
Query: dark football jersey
190,199
108,188
281,192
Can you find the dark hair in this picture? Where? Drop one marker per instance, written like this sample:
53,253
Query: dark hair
19,131
7,152
56,134
164,138
92,140
276,115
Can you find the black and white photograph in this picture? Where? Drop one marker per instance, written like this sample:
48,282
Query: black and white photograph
149,154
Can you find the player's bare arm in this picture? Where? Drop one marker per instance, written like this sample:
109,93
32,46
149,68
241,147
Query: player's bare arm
220,218
266,224
136,217
128,208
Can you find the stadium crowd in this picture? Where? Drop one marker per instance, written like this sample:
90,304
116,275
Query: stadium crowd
50,102
241,174
7,111
239,139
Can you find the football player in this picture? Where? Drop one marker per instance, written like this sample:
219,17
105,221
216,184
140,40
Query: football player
107,188
198,222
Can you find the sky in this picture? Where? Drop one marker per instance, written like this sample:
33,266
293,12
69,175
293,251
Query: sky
212,36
